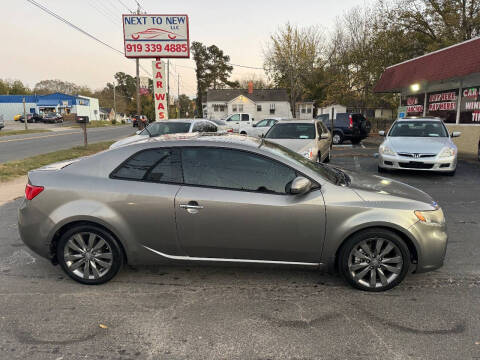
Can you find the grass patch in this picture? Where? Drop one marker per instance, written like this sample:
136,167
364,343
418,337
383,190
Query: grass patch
99,123
21,132
12,169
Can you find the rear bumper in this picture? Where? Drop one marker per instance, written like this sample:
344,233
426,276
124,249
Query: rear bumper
34,229
396,162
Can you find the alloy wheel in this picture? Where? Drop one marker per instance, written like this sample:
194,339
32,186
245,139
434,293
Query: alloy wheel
88,255
336,139
375,262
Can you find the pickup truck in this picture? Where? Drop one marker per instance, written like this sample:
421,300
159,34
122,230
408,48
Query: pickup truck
347,126
235,121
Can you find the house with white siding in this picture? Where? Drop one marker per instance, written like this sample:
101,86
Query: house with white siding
259,103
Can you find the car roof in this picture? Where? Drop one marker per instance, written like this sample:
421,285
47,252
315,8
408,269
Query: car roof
420,118
190,121
292,121
201,139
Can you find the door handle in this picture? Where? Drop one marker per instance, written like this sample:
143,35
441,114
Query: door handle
187,206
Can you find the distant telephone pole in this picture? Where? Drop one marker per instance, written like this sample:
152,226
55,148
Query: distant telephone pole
178,96
168,87
114,101
25,113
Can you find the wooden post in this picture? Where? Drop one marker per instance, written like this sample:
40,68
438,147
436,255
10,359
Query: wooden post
85,140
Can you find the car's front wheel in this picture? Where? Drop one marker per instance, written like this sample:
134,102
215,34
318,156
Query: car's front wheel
89,254
374,260
337,138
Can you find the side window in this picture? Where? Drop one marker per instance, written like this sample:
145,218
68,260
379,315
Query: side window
235,117
245,117
155,165
319,128
199,127
236,170
210,127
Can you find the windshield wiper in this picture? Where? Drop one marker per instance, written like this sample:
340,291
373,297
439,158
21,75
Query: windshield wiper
149,133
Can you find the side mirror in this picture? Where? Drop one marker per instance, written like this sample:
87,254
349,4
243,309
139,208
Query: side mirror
381,133
456,134
300,185
324,136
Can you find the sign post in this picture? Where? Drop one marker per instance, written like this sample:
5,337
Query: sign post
159,37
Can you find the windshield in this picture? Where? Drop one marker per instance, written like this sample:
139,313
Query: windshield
163,128
418,128
329,173
292,131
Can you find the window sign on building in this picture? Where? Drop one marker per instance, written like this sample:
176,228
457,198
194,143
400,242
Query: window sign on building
443,104
470,106
414,104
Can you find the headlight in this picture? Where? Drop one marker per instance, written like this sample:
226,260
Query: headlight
447,152
433,217
386,150
308,154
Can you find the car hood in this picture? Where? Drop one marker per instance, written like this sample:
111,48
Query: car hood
128,140
374,188
422,145
297,145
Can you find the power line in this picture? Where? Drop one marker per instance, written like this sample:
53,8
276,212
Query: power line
43,8
121,2
246,67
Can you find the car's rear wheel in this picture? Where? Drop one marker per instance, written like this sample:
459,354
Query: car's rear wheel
89,254
337,138
374,260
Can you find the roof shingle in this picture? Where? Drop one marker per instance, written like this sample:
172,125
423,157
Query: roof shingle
452,62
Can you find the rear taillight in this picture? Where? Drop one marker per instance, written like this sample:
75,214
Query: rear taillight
351,122
230,130
31,191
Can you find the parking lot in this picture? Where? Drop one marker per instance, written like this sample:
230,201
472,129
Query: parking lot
251,312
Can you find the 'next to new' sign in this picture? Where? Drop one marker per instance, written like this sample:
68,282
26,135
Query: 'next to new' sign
156,20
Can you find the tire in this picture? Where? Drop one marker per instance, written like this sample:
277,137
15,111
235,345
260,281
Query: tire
390,262
450,173
337,138
381,170
243,133
76,251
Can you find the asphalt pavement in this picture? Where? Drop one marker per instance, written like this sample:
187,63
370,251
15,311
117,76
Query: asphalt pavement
16,147
250,312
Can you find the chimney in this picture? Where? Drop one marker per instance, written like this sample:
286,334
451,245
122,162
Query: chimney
250,87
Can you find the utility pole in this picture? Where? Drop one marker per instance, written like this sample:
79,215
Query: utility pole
178,96
25,113
114,101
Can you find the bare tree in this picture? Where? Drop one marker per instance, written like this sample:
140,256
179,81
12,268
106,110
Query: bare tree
291,56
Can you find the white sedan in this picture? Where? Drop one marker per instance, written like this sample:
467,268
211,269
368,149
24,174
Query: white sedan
258,129
418,144
165,127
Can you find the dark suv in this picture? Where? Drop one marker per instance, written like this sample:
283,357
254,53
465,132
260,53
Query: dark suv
347,126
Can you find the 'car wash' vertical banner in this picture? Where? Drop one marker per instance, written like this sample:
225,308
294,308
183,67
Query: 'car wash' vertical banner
159,90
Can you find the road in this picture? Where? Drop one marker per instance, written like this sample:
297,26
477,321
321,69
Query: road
234,312
18,147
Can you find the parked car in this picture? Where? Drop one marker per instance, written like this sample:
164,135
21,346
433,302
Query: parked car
227,198
258,129
31,118
137,118
159,128
347,126
52,118
221,125
418,144
309,138
2,122
235,121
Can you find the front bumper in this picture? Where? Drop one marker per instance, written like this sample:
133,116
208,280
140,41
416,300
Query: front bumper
397,162
431,245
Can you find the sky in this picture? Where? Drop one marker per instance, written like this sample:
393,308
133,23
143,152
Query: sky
36,46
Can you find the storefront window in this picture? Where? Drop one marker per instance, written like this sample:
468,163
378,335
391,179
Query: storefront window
443,104
470,106
414,104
